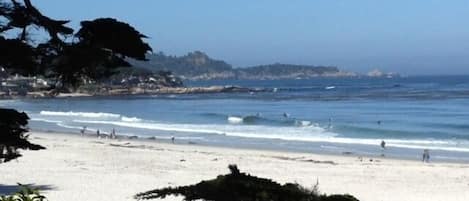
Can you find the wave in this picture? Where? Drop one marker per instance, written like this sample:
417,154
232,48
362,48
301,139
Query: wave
46,120
97,115
311,133
131,119
235,120
244,131
305,134
80,114
260,120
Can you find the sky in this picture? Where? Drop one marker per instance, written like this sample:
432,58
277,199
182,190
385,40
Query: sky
406,36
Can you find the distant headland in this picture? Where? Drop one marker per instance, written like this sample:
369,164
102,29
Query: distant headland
199,66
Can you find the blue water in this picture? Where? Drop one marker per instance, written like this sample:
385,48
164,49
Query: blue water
323,115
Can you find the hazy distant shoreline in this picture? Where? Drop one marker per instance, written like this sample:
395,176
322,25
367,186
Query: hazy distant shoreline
137,91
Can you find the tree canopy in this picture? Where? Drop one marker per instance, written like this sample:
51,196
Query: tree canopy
93,52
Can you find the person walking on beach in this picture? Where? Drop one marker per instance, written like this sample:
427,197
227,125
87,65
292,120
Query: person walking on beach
426,156
113,133
383,144
82,131
97,133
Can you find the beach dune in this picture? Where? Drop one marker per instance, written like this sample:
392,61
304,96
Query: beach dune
76,168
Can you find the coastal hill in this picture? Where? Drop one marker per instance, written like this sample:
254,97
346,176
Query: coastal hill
199,66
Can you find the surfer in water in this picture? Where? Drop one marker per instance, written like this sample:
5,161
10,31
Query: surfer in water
286,115
383,144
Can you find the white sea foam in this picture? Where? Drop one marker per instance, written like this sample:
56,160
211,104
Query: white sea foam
80,114
46,120
306,134
130,119
235,120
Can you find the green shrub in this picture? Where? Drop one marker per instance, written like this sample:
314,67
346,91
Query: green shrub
24,194
238,186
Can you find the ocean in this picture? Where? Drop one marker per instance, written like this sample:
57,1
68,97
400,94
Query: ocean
323,115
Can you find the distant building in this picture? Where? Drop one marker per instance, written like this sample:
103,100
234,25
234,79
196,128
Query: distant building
375,73
378,73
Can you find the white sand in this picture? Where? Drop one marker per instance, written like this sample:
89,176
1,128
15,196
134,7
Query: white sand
84,168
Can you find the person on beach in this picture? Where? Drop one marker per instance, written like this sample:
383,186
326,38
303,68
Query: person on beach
113,133
82,131
97,133
426,156
172,139
383,144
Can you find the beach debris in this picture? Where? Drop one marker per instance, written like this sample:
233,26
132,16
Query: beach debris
237,186
301,159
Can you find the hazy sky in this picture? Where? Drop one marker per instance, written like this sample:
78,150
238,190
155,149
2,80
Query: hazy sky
408,36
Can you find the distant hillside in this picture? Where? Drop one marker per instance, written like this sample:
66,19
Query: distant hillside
198,66
284,71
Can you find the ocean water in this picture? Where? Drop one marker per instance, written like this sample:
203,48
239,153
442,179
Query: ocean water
323,115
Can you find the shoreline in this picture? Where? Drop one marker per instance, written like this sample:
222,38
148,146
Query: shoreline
138,91
73,167
370,155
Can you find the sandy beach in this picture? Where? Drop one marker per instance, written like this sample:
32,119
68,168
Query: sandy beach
86,168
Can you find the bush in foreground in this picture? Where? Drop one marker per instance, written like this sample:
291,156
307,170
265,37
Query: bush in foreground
24,194
12,134
238,186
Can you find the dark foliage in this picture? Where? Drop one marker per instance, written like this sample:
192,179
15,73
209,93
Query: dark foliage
102,46
24,15
12,134
17,56
238,186
25,193
119,37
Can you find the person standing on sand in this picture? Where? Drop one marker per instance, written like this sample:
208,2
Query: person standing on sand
97,133
426,156
82,131
113,133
